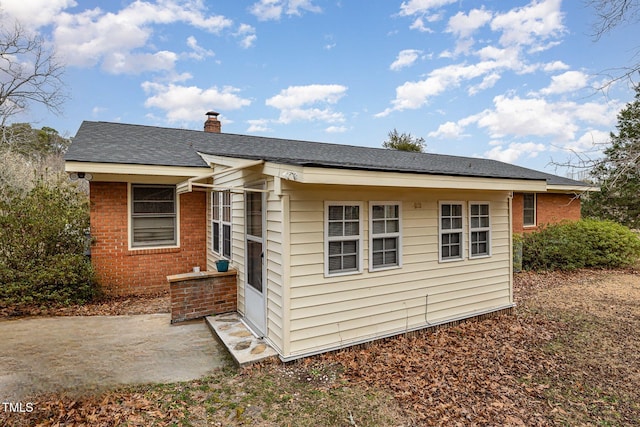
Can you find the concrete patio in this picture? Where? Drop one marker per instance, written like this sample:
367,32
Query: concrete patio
89,353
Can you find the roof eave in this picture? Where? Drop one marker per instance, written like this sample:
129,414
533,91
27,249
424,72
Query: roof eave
109,171
575,189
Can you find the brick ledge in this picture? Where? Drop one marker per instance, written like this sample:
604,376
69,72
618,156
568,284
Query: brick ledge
182,277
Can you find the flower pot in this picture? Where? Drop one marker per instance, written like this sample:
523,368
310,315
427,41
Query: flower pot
222,265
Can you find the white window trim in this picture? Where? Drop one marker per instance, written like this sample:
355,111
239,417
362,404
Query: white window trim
385,235
535,211
487,229
222,223
215,197
327,238
460,230
130,221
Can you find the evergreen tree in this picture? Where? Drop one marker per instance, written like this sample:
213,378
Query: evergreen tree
404,142
618,173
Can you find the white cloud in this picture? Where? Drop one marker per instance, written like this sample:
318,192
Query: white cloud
419,25
97,110
188,103
555,66
336,129
487,82
258,125
247,35
596,113
272,10
509,57
448,130
91,37
198,52
514,151
412,95
406,58
295,6
530,25
297,96
412,7
291,101
310,115
558,123
464,26
522,29
526,117
35,13
589,141
567,82
267,10
126,63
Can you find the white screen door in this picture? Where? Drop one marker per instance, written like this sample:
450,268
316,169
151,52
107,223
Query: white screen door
255,285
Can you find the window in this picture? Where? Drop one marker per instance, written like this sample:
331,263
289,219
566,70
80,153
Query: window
215,221
450,231
479,230
384,235
529,209
343,238
221,223
153,215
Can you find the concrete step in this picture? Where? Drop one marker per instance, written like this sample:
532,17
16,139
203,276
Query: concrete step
242,344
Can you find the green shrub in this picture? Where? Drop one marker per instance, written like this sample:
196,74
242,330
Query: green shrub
581,244
42,243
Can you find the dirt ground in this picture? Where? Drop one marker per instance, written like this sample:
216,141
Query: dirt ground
569,355
108,306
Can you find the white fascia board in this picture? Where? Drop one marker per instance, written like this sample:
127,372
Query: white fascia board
334,176
231,162
571,189
416,180
113,169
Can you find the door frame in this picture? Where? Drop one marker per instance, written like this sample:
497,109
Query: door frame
256,318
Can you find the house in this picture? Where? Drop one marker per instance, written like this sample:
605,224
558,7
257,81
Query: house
333,245
561,202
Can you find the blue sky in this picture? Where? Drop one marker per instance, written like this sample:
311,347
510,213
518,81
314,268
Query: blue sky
514,81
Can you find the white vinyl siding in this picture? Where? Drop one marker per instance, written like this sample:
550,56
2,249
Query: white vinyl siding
328,312
275,264
153,216
479,229
451,232
385,225
343,238
529,209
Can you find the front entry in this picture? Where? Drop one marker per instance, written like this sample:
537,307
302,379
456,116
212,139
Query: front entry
255,285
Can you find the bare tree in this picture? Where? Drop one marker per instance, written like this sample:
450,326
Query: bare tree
29,74
610,15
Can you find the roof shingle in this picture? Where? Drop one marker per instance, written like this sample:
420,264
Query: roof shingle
103,142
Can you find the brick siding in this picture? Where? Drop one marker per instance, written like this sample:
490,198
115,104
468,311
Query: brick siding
195,295
551,208
144,271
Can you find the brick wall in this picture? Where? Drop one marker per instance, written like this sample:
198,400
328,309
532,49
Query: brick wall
550,208
195,295
124,272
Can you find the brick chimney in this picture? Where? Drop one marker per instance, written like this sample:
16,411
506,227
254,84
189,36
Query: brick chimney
212,124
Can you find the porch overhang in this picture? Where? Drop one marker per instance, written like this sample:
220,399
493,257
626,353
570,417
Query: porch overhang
196,183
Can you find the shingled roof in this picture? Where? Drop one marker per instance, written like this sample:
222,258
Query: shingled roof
104,142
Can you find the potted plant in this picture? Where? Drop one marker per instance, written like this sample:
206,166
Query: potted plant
222,265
